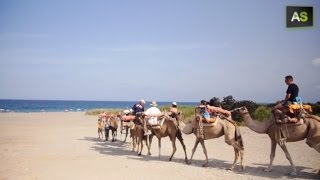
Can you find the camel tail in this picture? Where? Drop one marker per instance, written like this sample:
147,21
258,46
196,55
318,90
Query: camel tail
239,137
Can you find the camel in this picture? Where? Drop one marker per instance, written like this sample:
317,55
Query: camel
222,127
309,130
113,126
124,124
100,128
137,135
126,134
168,128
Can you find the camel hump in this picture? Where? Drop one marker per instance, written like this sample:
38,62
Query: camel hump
188,128
211,122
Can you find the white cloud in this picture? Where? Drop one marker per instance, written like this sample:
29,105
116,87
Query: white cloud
316,62
318,86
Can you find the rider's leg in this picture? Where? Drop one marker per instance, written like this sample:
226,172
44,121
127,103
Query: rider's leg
277,111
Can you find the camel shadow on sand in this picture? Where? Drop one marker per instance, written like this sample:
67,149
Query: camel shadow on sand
119,148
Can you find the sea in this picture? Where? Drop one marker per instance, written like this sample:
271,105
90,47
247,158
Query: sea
10,105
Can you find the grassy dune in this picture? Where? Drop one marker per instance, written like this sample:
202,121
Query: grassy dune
99,111
188,111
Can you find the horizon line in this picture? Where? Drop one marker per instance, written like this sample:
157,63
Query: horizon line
118,100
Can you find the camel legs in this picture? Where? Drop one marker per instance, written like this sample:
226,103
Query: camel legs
314,145
159,146
114,135
194,150
147,143
205,153
184,148
236,157
241,158
285,150
150,142
140,142
317,147
127,130
139,150
112,132
134,143
174,148
238,148
238,152
272,154
106,133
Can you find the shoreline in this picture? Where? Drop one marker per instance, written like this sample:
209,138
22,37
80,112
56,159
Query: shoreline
51,112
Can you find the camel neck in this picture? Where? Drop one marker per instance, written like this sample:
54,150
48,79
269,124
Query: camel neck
258,127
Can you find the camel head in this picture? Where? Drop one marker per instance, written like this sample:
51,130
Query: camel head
180,116
119,114
241,110
140,117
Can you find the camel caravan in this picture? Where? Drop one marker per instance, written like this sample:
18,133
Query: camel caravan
291,121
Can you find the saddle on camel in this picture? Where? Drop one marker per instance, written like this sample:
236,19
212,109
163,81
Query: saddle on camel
153,118
294,113
127,120
207,116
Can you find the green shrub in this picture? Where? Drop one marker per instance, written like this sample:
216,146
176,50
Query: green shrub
262,113
188,111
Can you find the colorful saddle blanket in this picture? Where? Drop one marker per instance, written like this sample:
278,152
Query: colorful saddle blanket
128,118
294,108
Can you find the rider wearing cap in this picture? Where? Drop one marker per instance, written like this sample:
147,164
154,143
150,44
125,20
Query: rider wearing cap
173,112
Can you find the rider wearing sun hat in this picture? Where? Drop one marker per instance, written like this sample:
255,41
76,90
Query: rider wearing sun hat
152,116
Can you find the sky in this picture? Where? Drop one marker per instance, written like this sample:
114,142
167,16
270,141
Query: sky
156,50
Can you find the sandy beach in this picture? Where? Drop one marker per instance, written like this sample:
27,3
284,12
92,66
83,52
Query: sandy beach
65,146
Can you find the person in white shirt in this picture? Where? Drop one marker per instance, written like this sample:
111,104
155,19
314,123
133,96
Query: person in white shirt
151,116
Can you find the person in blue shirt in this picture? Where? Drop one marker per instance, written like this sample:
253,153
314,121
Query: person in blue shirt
138,107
